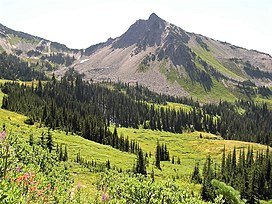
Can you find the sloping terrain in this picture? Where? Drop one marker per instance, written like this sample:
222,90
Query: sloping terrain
189,147
36,49
169,60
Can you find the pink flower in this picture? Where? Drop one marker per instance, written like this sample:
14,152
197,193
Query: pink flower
2,135
78,186
104,197
18,169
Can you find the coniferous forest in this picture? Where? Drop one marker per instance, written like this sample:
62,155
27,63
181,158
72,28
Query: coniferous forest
248,172
13,68
90,109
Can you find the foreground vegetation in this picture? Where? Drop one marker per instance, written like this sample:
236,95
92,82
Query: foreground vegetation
30,173
188,146
119,144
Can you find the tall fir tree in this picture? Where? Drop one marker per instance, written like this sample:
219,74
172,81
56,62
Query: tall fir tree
140,163
208,191
158,156
49,141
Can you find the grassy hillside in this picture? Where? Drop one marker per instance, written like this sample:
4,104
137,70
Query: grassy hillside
218,91
207,56
189,147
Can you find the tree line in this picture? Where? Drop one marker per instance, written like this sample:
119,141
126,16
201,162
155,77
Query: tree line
88,109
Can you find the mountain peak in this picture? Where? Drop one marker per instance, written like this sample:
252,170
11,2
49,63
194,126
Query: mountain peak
143,33
154,16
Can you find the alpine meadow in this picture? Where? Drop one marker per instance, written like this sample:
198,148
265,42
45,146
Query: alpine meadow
156,115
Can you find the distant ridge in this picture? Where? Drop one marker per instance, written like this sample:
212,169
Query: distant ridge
158,55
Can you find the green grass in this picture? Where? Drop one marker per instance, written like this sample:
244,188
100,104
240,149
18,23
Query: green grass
233,67
178,106
1,98
189,147
241,111
14,40
89,150
2,81
196,90
210,59
173,106
260,100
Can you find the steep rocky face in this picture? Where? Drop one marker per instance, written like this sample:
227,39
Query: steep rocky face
170,60
143,33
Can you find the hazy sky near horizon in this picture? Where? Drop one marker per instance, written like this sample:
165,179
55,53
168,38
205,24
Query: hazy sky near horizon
81,23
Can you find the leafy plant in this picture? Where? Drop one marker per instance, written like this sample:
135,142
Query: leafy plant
133,188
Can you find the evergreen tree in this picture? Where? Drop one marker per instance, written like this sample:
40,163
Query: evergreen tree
42,141
65,156
108,166
196,178
152,175
49,141
140,163
173,160
158,156
208,191
60,153
178,162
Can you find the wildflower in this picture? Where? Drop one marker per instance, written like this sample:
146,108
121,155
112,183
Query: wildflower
18,169
2,135
104,197
19,179
26,176
78,186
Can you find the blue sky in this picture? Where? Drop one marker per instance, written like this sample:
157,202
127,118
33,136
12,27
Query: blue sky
81,23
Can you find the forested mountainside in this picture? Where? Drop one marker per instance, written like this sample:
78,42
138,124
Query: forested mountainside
12,68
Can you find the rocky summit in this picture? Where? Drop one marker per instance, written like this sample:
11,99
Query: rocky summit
167,59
